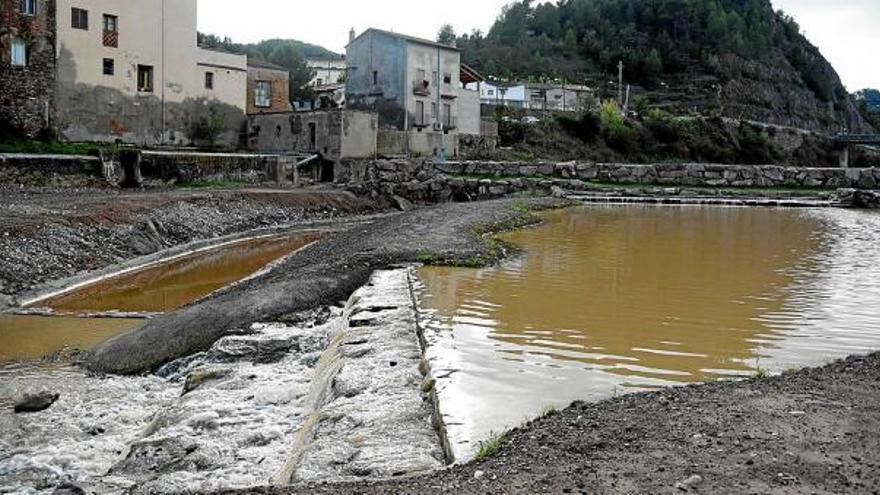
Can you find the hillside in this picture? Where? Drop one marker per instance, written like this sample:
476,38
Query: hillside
732,58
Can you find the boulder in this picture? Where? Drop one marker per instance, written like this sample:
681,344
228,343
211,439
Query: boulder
32,403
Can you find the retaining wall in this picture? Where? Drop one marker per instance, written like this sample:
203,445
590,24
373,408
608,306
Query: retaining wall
432,182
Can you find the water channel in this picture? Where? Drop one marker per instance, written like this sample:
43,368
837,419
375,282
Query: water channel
606,300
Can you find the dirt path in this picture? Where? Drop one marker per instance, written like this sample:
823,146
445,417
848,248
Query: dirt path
812,431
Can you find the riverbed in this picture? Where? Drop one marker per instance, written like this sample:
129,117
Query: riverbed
609,300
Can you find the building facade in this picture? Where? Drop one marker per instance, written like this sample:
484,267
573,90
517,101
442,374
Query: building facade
327,71
268,88
27,66
413,85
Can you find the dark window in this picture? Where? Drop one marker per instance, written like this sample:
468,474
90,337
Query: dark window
109,67
79,18
111,23
375,77
29,7
209,80
145,78
420,113
447,78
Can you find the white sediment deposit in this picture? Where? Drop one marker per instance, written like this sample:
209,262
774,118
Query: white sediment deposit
336,398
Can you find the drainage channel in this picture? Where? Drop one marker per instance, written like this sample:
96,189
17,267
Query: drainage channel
87,315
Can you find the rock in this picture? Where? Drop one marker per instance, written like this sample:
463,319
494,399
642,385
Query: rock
689,483
68,489
479,474
200,376
31,403
557,192
402,203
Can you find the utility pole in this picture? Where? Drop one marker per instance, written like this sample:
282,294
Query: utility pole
620,83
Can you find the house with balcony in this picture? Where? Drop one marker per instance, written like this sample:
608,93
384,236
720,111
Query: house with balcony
413,85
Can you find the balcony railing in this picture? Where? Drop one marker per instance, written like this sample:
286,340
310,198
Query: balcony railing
111,39
421,88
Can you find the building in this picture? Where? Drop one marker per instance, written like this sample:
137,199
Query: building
27,66
413,84
268,88
558,97
107,70
504,95
327,71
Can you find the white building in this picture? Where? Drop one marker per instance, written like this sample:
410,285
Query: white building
326,71
132,71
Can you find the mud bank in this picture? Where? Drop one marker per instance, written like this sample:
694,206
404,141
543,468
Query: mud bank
322,274
52,234
811,431
337,396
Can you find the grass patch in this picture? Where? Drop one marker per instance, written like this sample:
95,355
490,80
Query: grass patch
54,147
211,184
489,446
761,373
548,412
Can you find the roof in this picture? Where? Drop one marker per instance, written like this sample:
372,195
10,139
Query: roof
262,64
411,39
469,75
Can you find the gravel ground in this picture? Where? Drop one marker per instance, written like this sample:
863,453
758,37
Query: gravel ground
811,431
325,273
51,234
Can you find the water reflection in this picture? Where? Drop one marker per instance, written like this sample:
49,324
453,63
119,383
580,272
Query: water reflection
612,298
169,286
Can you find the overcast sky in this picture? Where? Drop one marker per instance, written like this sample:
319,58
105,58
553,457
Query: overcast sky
847,31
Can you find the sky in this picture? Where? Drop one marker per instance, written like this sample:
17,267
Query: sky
846,31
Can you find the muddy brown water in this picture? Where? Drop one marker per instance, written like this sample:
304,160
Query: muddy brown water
607,300
154,289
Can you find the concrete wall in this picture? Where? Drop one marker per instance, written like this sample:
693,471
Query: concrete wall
417,144
280,95
92,106
338,133
230,77
469,112
26,92
436,63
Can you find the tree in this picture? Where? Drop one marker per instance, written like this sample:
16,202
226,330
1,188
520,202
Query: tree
653,63
446,35
287,56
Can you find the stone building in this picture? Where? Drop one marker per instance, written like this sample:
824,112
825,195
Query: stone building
413,84
268,88
27,66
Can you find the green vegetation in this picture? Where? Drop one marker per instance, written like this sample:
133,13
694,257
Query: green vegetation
761,373
581,40
489,446
548,411
53,147
211,184
868,103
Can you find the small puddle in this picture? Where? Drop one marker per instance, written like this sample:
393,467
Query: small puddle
170,286
607,300
153,289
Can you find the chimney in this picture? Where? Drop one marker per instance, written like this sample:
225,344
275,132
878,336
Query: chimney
351,35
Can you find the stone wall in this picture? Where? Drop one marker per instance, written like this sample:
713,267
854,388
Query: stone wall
26,92
55,170
168,166
453,181
337,133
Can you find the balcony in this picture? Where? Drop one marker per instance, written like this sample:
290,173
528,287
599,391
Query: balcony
421,88
450,122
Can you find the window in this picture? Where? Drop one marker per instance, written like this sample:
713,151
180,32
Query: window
19,53
111,31
320,82
145,78
420,113
29,7
79,18
209,80
420,75
447,115
375,78
447,78
109,67
491,92
263,94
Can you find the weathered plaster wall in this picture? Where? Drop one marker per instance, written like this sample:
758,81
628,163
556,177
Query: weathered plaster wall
469,118
92,106
26,92
338,133
386,55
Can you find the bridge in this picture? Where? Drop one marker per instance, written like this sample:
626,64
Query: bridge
846,141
